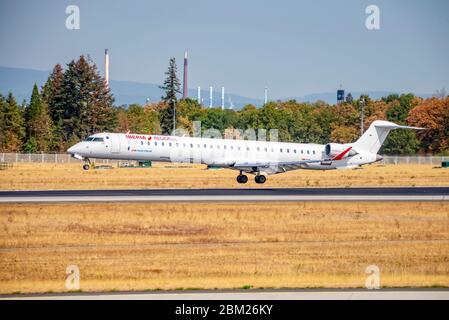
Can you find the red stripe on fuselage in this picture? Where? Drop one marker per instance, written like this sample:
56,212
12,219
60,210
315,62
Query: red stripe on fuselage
341,155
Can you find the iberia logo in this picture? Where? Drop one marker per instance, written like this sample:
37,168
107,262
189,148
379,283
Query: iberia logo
135,136
149,138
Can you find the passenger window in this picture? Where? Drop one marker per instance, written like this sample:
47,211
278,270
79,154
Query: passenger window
280,150
258,149
141,142
162,144
191,145
148,142
155,143
308,152
266,149
288,150
169,144
294,150
313,151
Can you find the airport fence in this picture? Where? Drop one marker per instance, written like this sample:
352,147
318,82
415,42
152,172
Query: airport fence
66,158
45,158
429,160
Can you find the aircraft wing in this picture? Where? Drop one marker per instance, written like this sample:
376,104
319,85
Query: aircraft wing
272,167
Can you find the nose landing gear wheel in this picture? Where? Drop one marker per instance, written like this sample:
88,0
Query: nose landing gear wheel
260,179
86,167
242,178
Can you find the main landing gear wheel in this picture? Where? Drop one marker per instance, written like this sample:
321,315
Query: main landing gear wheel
242,178
260,178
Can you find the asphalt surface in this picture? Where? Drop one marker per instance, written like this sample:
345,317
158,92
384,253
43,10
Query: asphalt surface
274,194
281,294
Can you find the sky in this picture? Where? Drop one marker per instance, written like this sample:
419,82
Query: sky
292,47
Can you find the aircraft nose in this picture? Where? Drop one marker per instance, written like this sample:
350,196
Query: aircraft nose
72,149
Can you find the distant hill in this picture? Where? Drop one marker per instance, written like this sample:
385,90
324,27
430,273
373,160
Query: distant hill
21,81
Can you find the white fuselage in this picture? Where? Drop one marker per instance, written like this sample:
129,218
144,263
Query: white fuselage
213,152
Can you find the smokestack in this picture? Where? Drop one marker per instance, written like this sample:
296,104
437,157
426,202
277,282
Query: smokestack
184,88
266,95
222,98
106,67
199,95
210,96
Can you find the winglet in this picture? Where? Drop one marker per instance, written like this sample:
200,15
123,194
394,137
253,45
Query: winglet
342,154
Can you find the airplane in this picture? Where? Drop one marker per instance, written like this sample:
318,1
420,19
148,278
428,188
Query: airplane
260,158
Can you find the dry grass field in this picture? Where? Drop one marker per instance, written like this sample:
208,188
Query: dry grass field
71,176
150,246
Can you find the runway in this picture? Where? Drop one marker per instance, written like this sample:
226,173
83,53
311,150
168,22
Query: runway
282,294
263,194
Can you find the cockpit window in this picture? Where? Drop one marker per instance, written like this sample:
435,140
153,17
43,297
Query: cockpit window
94,139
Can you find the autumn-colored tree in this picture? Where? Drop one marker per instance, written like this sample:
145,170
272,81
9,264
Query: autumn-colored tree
432,114
344,134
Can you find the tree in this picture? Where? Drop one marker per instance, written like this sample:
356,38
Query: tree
349,98
171,87
400,141
52,95
432,114
11,125
87,101
38,124
2,119
344,134
139,120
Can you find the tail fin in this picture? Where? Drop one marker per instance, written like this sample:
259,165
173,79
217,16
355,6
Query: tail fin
374,137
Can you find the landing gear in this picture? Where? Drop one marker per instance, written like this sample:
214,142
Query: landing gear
260,178
241,178
87,164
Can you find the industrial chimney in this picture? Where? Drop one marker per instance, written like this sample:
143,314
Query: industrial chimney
210,96
199,95
184,84
106,67
222,98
